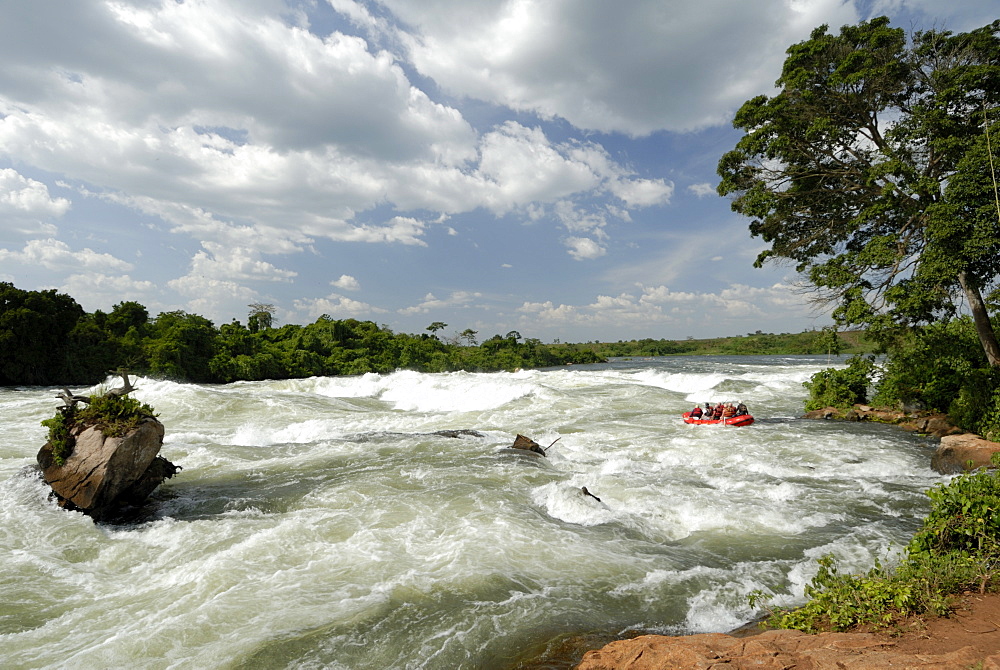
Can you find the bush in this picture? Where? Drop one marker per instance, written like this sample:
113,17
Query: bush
955,550
114,415
841,388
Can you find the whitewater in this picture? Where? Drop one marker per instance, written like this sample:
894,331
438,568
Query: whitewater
327,523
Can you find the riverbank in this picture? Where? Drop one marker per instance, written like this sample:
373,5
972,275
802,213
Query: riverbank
968,638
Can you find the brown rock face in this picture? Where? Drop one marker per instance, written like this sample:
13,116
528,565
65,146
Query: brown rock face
957,452
772,650
103,471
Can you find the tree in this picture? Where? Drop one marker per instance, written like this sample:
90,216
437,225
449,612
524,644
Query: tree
181,346
860,169
34,335
436,326
126,315
470,336
261,316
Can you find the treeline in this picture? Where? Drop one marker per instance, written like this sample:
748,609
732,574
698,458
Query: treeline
46,338
825,341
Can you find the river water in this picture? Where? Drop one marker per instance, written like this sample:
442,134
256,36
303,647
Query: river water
322,523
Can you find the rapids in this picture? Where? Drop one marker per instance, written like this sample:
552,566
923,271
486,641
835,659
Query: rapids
321,523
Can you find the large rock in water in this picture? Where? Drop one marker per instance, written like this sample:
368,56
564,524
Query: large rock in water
103,473
959,453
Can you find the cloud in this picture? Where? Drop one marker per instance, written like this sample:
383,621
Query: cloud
633,68
702,190
347,283
94,289
584,248
338,307
25,204
239,263
660,307
22,196
430,303
55,255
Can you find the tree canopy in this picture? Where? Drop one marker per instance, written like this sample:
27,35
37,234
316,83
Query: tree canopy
869,170
46,338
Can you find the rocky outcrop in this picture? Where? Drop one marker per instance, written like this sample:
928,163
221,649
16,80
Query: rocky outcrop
958,453
775,650
103,473
935,425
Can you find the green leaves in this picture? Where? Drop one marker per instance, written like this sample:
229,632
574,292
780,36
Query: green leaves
869,169
956,549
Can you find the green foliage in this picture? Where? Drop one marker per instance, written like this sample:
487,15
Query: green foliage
868,170
841,388
59,433
964,516
189,347
955,550
114,415
34,335
942,368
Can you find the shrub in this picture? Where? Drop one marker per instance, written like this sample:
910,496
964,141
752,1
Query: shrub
59,433
955,550
841,388
113,415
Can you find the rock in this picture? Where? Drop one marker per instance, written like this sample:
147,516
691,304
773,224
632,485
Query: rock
771,650
522,442
957,452
935,425
460,432
103,472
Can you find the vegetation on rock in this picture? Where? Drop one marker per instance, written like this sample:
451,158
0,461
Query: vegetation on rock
113,415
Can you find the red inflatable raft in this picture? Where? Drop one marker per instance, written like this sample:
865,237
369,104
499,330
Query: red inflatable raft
738,421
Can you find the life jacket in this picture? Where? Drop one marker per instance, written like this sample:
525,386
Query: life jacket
696,412
717,411
728,411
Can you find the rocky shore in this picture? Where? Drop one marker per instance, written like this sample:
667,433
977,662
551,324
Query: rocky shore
970,638
958,451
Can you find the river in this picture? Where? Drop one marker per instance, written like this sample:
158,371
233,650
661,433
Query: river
322,522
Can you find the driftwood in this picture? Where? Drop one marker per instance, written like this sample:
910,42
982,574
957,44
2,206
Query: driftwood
121,390
70,399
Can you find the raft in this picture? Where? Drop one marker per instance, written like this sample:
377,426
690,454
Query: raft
738,421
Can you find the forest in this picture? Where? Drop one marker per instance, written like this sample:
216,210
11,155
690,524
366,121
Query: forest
46,338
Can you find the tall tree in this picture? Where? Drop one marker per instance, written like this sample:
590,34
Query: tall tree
34,330
858,171
261,316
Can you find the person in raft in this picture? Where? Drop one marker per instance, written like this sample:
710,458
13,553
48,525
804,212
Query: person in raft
741,409
717,411
695,413
728,411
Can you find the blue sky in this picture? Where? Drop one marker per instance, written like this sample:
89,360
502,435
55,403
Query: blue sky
544,166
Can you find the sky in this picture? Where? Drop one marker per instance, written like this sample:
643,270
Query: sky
539,166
